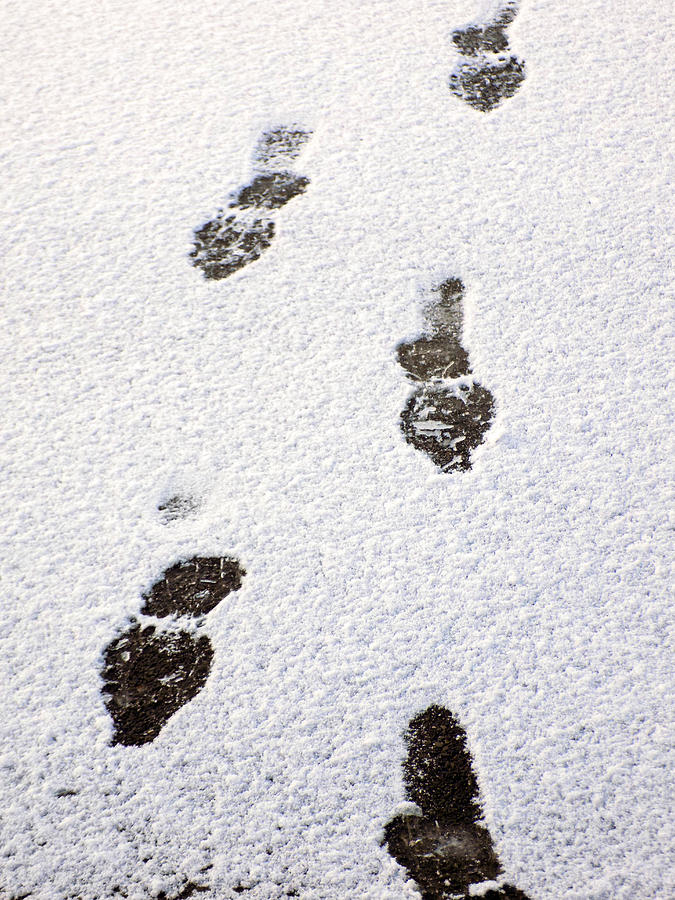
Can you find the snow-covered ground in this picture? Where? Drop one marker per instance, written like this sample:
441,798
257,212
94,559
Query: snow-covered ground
528,595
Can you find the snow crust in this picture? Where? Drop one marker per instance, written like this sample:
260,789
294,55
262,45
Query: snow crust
529,595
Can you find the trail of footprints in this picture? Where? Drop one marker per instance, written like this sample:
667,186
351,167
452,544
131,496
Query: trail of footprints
449,412
487,73
241,234
163,658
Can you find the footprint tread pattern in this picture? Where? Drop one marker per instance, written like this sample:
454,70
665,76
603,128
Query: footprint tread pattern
448,423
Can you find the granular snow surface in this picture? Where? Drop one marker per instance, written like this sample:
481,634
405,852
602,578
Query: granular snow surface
152,415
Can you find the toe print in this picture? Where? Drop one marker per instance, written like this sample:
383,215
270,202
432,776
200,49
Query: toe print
449,413
150,672
240,235
487,74
443,846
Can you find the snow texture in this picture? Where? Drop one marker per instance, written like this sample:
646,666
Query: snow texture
528,595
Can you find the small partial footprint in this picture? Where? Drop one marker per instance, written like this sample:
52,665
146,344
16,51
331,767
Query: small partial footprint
239,235
487,74
449,413
443,846
151,670
177,507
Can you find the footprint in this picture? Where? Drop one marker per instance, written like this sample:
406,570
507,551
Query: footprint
234,239
177,507
442,844
447,423
150,671
439,354
448,415
487,74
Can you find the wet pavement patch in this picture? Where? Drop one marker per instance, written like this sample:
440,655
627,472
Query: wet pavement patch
241,234
443,846
505,892
449,413
151,670
488,74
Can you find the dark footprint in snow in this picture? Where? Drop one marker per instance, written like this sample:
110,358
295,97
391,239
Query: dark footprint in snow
447,423
240,234
449,413
149,675
442,845
488,73
151,670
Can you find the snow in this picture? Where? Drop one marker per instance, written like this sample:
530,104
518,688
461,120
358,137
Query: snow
529,595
